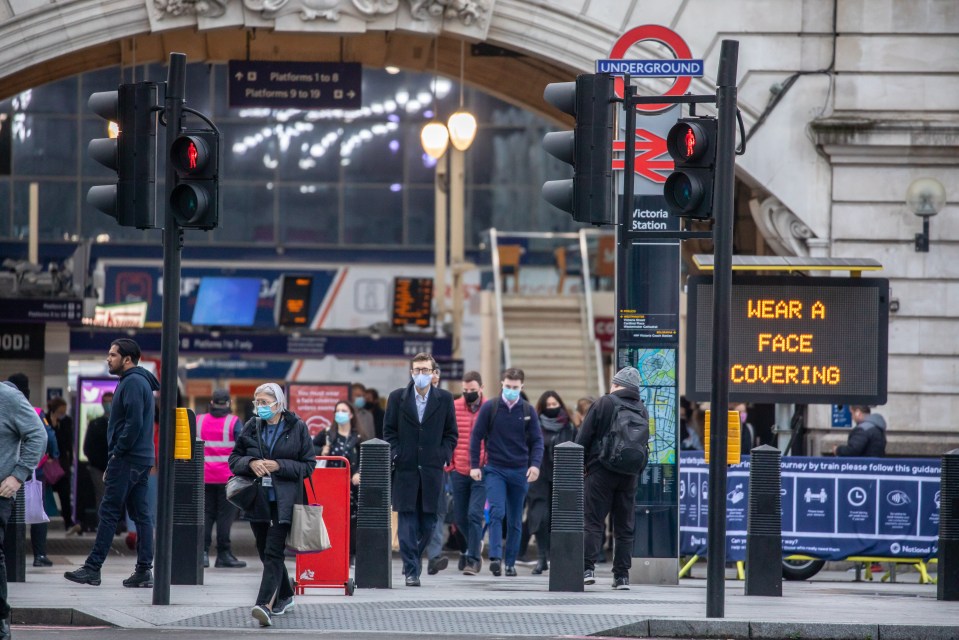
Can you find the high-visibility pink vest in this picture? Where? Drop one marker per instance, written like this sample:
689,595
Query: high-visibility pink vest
217,435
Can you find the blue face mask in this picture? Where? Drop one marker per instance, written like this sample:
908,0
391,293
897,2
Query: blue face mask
265,412
106,407
360,402
422,380
341,417
510,395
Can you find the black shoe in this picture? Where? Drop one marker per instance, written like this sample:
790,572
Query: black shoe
283,606
621,583
139,578
206,559
472,567
84,575
263,615
5,628
435,565
589,577
226,560
511,571
42,561
462,562
494,566
412,581
540,567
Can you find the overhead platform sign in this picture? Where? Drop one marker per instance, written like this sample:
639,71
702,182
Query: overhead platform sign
298,85
794,339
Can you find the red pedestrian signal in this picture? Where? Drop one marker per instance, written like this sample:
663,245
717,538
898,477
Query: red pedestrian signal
194,194
689,189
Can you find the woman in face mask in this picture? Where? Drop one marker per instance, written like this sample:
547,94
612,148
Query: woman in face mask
275,447
554,420
343,438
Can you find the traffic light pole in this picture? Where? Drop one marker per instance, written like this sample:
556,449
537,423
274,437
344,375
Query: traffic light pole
172,243
722,287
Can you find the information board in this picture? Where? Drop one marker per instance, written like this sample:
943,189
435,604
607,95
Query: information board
793,339
412,302
833,508
315,403
293,309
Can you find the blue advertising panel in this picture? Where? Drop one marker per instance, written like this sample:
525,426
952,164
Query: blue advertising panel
833,508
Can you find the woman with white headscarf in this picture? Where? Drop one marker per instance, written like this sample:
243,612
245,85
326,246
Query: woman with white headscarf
275,447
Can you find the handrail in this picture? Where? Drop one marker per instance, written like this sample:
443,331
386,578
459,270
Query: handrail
498,297
590,317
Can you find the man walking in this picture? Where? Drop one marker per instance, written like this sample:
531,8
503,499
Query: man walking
509,428
420,427
22,441
130,435
868,438
610,486
469,496
218,430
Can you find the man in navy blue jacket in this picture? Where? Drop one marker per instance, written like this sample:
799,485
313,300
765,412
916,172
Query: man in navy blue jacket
130,439
514,451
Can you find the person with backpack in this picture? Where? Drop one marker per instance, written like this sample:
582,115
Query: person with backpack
615,439
509,428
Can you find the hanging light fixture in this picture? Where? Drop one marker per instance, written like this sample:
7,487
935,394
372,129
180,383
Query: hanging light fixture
434,137
462,124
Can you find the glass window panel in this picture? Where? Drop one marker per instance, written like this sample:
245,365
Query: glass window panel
249,151
94,222
420,168
420,216
55,97
246,213
372,215
6,220
99,80
44,146
57,207
310,213
506,156
198,81
372,152
309,151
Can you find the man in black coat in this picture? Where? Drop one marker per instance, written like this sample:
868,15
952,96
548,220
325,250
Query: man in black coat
420,425
868,438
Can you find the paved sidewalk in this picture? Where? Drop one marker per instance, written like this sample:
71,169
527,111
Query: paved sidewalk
831,606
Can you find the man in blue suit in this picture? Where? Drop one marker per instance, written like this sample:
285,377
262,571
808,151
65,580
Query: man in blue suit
420,425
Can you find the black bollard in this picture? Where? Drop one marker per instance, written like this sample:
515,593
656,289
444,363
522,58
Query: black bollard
764,537
373,536
15,542
186,563
566,522
947,587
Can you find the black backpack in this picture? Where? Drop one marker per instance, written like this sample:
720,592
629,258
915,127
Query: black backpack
625,447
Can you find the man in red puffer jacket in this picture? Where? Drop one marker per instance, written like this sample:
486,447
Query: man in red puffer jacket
469,496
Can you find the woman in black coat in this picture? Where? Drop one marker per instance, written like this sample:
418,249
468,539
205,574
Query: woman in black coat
343,438
275,447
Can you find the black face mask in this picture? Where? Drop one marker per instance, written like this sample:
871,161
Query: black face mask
552,413
471,396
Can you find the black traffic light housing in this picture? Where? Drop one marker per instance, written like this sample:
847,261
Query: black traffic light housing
132,154
588,196
194,195
689,189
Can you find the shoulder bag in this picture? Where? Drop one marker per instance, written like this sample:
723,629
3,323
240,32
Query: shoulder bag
308,532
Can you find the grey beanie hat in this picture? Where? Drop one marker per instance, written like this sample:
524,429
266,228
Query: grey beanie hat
627,377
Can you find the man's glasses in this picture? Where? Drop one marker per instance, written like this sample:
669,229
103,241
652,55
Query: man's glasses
421,371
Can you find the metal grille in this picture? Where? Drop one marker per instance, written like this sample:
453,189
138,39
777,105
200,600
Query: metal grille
949,497
567,511
373,506
188,487
765,499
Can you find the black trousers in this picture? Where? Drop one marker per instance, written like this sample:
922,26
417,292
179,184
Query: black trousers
217,510
6,508
63,490
270,544
609,493
38,539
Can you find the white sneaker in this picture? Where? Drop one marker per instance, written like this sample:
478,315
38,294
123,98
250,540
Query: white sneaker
262,615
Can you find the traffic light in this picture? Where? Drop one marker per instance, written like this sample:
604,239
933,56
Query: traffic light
132,154
588,196
689,189
195,155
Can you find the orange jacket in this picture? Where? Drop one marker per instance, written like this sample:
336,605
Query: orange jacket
464,426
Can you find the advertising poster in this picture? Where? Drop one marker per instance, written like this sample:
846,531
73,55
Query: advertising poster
89,398
315,402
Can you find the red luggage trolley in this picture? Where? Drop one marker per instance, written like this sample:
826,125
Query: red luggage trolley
329,569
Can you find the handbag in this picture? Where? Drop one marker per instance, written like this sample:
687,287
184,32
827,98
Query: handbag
308,532
52,471
241,492
33,511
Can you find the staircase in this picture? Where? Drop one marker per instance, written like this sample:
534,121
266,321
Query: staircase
549,341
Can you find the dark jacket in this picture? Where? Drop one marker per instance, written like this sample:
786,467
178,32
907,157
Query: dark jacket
599,419
511,441
419,450
346,446
130,430
867,439
95,443
293,451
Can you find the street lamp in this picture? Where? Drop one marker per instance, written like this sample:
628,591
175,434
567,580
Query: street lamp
925,197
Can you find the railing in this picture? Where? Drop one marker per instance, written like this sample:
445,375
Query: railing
590,316
504,354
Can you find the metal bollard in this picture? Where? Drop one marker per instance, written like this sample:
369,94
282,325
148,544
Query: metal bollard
764,538
566,522
947,587
15,542
373,552
186,565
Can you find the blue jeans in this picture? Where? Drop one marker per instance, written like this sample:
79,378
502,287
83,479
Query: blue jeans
469,499
125,483
506,490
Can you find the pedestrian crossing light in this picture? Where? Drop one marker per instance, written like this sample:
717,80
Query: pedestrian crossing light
194,195
689,189
588,195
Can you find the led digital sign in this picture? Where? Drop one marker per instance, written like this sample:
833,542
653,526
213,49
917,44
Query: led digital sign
802,340
412,302
293,301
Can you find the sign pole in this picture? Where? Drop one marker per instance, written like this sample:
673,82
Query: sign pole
723,251
172,243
